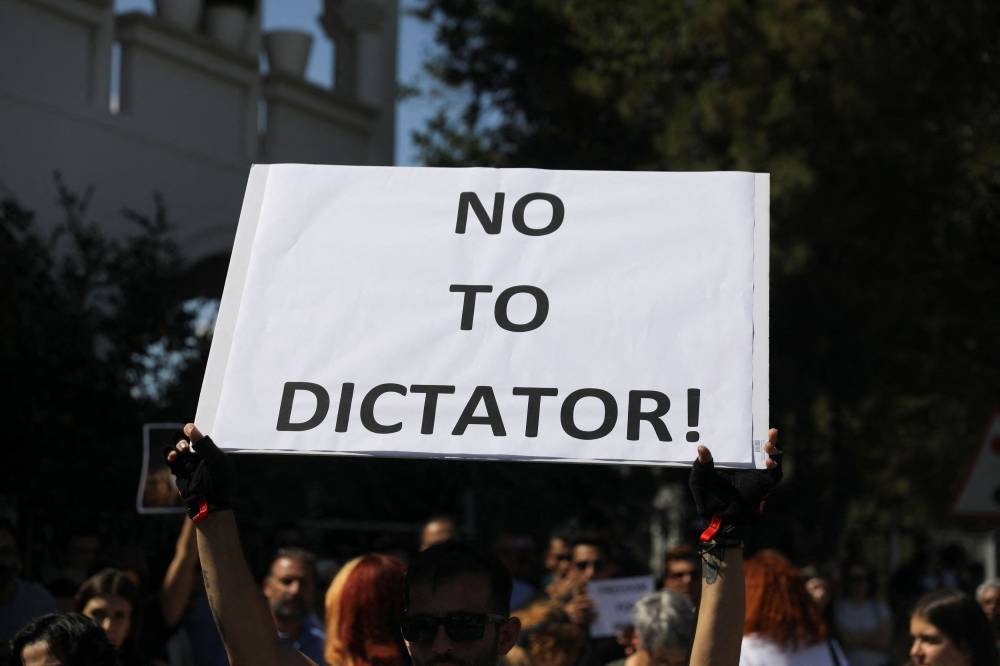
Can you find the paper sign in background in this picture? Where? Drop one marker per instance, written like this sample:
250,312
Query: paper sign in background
344,275
157,493
613,602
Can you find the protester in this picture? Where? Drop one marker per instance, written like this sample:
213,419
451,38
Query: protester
20,600
290,589
783,625
864,623
436,530
592,561
818,587
664,624
682,572
558,558
950,629
364,607
591,554
62,639
988,597
518,553
457,600
548,636
111,599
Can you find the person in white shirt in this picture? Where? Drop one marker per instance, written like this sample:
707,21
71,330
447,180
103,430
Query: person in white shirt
783,625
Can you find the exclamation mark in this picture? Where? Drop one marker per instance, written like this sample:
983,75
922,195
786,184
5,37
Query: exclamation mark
694,402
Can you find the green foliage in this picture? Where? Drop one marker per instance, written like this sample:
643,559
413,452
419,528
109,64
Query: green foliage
83,312
880,126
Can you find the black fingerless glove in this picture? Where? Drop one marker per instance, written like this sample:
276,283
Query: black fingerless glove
730,498
204,478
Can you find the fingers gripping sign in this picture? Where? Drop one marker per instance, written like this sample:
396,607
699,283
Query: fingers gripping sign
730,498
204,478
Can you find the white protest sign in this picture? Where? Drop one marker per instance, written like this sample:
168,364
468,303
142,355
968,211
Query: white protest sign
613,600
494,313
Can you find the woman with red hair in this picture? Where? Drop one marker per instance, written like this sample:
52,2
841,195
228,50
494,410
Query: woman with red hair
364,605
783,626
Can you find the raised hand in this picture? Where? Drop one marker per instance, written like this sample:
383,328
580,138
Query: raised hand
204,477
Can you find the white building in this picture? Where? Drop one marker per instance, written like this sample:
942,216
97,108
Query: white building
193,113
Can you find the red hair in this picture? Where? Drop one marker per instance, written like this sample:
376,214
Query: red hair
364,605
778,607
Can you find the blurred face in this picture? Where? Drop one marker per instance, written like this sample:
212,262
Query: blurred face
819,591
932,648
113,614
290,589
436,531
591,563
681,577
463,595
558,559
37,654
988,600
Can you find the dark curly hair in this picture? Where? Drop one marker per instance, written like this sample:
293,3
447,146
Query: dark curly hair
73,639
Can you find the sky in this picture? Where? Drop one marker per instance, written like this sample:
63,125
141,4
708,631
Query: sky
416,42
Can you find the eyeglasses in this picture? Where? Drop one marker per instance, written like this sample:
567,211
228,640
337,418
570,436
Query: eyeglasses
583,565
460,627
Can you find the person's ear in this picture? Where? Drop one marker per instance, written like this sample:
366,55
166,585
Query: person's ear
509,633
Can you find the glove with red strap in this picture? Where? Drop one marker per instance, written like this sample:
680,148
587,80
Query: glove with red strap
204,477
729,499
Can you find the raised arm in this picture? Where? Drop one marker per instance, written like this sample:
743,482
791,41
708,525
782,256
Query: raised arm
179,579
719,633
238,605
727,500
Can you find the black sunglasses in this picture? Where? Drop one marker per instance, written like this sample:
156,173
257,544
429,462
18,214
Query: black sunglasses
460,627
583,565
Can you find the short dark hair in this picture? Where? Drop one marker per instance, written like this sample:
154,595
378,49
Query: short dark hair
683,553
593,538
72,638
306,557
963,621
448,560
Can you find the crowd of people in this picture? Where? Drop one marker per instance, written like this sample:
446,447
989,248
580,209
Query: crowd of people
451,603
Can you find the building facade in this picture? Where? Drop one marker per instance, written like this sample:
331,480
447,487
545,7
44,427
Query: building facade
188,115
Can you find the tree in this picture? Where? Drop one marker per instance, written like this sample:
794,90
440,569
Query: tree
99,338
880,126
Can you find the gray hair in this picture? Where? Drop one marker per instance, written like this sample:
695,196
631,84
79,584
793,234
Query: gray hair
986,585
664,619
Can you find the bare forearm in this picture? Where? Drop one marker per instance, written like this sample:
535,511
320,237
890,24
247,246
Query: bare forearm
719,633
179,579
241,613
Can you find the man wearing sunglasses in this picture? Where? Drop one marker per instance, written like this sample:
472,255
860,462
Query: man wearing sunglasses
457,608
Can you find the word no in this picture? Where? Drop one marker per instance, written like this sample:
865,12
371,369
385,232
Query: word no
491,225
